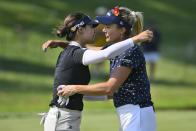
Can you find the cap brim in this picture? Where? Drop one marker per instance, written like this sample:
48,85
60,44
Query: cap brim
105,20
94,23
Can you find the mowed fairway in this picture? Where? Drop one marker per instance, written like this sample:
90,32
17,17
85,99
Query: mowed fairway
104,120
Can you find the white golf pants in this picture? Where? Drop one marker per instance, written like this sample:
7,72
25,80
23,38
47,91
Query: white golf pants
134,118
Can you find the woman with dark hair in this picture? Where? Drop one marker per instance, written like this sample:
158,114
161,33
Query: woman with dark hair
72,69
128,82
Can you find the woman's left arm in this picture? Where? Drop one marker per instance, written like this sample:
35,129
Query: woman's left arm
117,78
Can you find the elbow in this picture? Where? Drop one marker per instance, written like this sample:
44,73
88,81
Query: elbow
106,56
107,92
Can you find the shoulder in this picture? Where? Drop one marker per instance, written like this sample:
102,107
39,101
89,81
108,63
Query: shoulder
134,50
72,49
133,54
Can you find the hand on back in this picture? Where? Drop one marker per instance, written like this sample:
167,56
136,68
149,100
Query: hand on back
54,44
146,35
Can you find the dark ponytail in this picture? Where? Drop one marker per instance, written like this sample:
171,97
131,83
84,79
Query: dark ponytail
62,31
65,29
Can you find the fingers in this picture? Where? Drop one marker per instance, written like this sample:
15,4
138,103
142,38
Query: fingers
149,32
63,94
60,92
60,87
150,35
147,35
65,91
45,45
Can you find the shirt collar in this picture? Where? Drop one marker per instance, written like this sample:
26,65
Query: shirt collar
75,44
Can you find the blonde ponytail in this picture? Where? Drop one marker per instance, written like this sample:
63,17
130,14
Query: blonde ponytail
135,19
138,24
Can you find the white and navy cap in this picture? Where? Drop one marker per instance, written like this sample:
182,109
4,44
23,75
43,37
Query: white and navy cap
112,18
86,20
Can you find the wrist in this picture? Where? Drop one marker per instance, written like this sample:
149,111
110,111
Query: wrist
132,43
135,39
76,89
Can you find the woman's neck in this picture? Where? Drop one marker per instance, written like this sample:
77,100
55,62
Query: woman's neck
119,40
81,43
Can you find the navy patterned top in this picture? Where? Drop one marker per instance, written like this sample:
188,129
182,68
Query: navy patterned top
136,88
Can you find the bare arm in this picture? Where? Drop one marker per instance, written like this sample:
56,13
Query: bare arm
109,87
63,44
54,44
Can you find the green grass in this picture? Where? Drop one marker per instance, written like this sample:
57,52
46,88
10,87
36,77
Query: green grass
104,120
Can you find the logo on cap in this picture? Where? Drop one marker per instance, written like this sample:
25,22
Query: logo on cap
116,11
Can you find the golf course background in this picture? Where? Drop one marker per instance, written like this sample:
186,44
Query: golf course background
26,72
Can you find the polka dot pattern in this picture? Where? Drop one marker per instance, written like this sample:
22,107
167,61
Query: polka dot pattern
136,89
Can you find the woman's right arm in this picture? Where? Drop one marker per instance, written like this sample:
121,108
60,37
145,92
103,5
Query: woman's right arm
95,56
108,87
63,44
92,56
